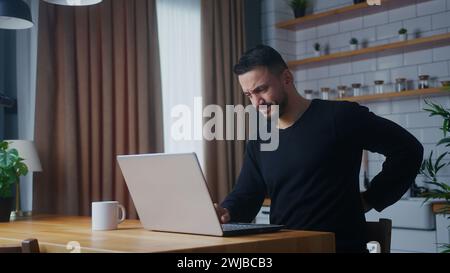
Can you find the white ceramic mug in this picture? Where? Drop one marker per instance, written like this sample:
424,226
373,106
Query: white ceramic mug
105,215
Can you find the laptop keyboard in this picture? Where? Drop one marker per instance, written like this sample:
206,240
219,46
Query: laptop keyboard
230,227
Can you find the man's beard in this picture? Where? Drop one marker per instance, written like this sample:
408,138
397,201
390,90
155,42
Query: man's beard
281,107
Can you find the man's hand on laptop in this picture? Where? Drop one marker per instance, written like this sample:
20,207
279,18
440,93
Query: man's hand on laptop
222,213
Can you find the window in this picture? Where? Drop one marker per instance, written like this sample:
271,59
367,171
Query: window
179,33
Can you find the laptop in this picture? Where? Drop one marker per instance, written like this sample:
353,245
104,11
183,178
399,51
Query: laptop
170,194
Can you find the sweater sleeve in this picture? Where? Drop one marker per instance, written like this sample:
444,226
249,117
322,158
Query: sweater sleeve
246,198
404,153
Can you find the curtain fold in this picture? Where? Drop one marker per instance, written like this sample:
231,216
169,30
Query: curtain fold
223,42
98,96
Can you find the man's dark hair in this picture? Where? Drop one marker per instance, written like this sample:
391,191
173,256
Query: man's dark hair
261,55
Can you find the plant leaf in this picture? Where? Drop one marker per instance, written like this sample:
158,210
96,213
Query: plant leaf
445,127
444,140
437,167
22,169
440,185
3,145
4,160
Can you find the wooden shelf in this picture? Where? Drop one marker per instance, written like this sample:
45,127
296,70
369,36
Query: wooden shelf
435,40
296,23
336,14
409,93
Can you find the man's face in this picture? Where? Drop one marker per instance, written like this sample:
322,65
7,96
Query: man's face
265,88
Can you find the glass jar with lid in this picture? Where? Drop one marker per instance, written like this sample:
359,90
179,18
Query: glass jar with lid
341,91
356,89
308,94
400,84
379,86
325,93
424,81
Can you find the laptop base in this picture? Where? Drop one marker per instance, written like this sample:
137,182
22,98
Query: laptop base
235,229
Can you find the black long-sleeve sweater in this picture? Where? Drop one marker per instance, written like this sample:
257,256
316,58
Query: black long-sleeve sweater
313,176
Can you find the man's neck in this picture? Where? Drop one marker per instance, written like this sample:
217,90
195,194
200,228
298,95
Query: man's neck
297,105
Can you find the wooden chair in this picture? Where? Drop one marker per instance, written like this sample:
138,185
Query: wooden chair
28,246
380,232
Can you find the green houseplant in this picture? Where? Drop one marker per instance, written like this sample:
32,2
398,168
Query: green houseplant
316,49
298,7
403,34
431,168
353,43
11,168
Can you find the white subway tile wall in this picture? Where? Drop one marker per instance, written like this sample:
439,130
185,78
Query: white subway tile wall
400,119
375,19
364,64
418,24
388,30
407,72
430,7
327,5
301,48
437,69
441,53
340,69
418,57
402,13
306,34
327,30
350,79
441,20
330,82
422,120
340,40
351,24
380,108
365,35
405,106
387,60
422,19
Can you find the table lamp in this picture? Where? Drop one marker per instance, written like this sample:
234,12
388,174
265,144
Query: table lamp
28,152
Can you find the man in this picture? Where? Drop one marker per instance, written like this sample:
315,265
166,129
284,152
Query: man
313,176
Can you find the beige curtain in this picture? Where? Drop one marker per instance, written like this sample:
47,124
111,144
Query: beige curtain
222,45
98,96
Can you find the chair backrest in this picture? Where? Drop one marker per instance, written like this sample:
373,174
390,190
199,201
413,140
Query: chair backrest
381,233
28,246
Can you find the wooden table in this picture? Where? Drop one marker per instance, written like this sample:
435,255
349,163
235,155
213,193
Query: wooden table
54,233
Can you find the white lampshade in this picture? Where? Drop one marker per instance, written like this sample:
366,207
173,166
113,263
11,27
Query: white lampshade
28,152
15,15
74,2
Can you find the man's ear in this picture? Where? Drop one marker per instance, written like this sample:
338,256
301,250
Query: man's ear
287,77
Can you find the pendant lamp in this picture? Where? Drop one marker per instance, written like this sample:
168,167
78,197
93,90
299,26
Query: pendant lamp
15,14
74,2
